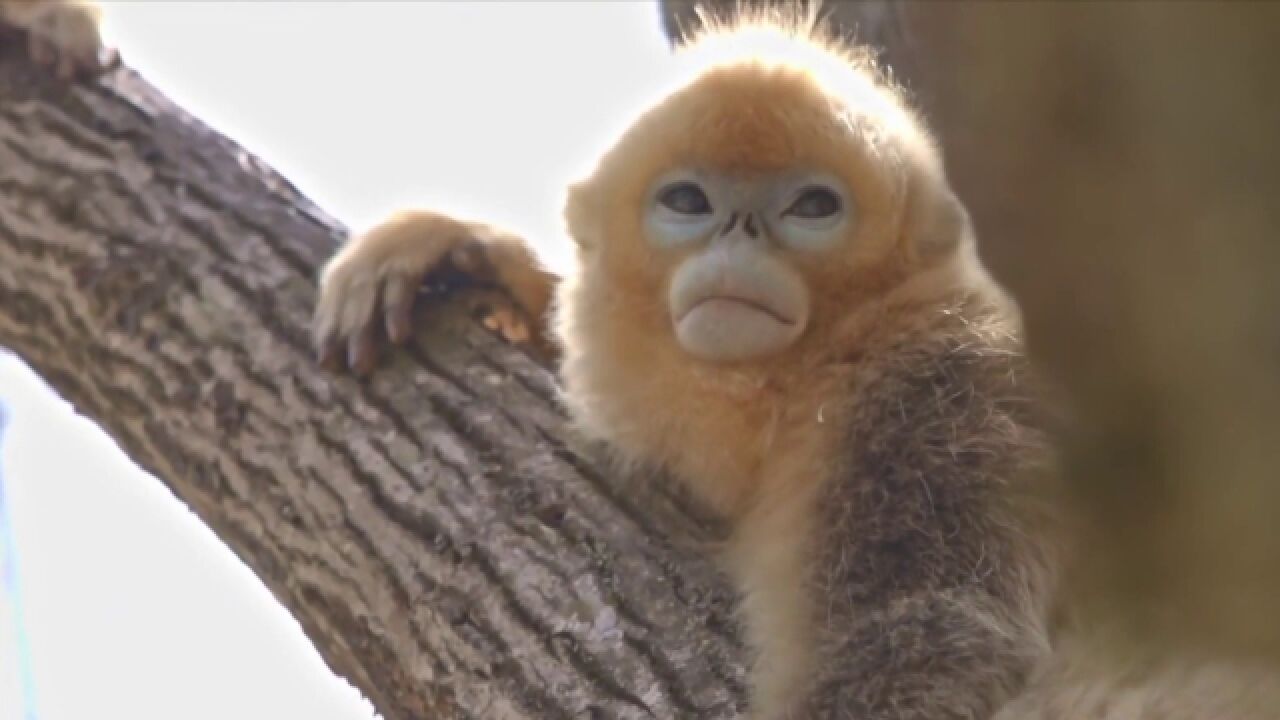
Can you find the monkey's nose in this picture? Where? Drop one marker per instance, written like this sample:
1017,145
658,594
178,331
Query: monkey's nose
728,226
750,226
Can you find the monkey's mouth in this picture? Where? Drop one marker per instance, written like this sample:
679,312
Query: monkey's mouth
734,308
729,304
728,328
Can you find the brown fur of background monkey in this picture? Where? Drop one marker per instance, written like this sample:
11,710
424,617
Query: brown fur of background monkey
1143,251
778,302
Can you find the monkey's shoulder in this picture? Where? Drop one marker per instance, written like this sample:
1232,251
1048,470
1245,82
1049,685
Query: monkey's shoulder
958,377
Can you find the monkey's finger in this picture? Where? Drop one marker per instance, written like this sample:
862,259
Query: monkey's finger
471,257
398,296
466,257
349,302
331,353
515,330
362,350
330,349
507,323
327,337
322,334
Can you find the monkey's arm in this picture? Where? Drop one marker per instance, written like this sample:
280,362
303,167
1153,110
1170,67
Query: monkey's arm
932,584
367,290
64,34
929,655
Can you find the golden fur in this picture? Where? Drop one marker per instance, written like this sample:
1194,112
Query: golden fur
886,475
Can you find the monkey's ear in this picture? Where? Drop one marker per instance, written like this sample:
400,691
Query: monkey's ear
581,214
935,222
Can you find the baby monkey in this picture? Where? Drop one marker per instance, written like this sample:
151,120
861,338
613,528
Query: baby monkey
777,300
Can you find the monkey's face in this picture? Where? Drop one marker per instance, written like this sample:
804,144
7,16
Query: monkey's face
750,211
734,295
739,241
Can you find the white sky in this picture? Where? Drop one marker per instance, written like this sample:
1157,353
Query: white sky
135,610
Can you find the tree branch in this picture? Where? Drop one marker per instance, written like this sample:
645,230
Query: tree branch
441,539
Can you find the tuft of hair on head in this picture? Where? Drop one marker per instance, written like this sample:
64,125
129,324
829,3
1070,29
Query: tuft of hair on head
798,30
798,34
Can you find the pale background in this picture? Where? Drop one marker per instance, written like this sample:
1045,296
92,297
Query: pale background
132,608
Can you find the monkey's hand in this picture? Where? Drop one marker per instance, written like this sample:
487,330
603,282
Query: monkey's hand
367,290
62,34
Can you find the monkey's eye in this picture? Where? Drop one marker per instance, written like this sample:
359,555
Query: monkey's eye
685,198
814,203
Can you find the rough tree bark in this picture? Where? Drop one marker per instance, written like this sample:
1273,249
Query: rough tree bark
442,541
